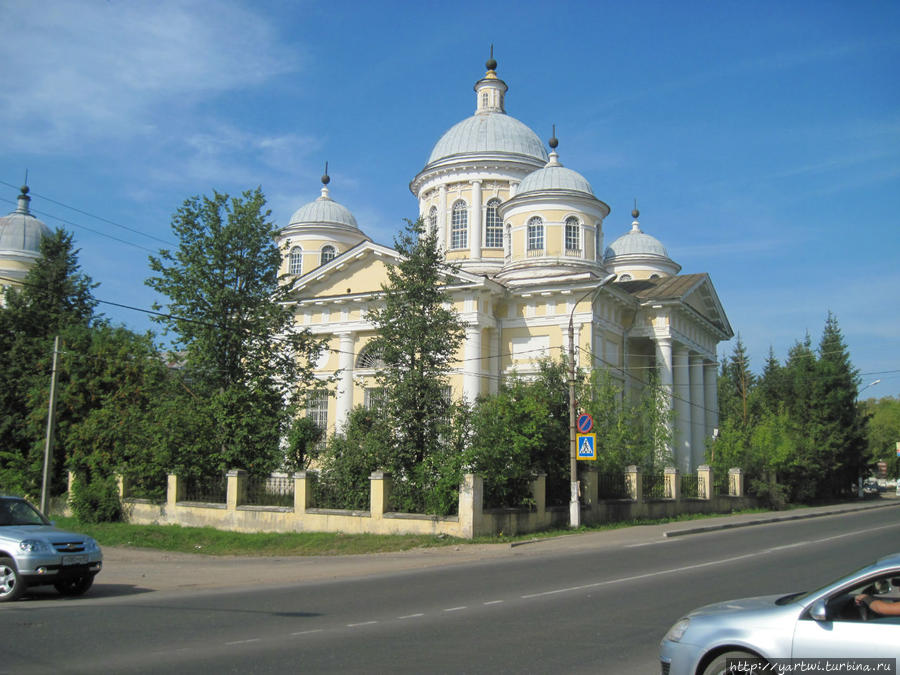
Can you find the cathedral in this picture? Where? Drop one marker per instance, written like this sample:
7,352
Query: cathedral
525,234
20,241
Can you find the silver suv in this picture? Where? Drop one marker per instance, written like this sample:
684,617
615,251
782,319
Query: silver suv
34,553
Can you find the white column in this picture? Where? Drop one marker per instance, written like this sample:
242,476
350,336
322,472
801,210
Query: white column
577,334
494,383
711,397
477,225
681,392
698,413
472,363
664,367
442,217
345,380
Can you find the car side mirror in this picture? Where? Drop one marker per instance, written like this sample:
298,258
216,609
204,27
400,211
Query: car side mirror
818,612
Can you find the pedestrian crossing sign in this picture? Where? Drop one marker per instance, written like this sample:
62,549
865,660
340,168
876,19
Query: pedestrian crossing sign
587,446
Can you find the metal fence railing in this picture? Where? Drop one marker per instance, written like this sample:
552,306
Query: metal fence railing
690,486
270,490
654,485
210,489
612,486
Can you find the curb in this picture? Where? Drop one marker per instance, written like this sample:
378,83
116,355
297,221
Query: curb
773,519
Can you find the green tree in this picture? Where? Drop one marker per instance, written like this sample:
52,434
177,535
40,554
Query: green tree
55,297
839,422
883,433
418,337
248,366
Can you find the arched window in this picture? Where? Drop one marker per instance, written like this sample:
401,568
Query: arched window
369,357
328,253
573,236
459,226
624,277
295,263
432,219
535,234
493,227
484,99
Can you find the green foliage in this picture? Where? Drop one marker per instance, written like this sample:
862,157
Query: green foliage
96,500
803,435
55,299
302,440
247,366
883,433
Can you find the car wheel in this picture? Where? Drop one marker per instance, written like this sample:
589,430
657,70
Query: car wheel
718,665
75,585
11,584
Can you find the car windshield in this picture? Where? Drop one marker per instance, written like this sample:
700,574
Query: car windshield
800,597
15,512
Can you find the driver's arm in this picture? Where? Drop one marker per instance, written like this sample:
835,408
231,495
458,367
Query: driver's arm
881,607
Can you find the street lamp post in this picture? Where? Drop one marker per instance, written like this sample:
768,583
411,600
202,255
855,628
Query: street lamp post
574,503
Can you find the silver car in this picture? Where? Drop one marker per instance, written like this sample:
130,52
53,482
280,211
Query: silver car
824,624
34,553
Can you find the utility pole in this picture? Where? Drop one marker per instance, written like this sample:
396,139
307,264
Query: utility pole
574,503
51,428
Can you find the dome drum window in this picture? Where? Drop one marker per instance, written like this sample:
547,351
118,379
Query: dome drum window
535,236
573,237
459,226
493,226
328,254
432,218
295,261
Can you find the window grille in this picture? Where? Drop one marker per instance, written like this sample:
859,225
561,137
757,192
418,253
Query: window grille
317,408
459,226
296,261
573,236
535,234
493,227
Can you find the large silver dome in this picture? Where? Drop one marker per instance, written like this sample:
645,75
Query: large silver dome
635,242
555,177
324,210
489,132
21,231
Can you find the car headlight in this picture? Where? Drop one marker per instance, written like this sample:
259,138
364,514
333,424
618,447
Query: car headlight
676,632
91,545
34,546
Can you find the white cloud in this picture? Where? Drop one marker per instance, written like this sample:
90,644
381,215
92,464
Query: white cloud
78,73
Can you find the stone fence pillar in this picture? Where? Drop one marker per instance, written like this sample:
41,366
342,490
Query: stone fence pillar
736,482
303,491
704,481
471,505
672,488
379,494
174,491
590,486
634,483
235,489
539,492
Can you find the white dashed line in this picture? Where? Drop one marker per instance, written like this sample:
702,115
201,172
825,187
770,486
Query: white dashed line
454,609
411,616
243,642
363,623
493,602
307,632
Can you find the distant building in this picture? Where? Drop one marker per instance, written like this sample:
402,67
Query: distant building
20,242
527,235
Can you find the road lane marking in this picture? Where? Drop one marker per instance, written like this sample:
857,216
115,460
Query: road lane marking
411,616
362,623
307,632
454,609
243,642
493,602
710,563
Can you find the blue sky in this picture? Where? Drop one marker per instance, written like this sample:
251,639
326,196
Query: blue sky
761,139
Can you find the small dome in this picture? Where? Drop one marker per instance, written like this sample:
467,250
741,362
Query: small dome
635,243
489,132
554,176
21,231
324,210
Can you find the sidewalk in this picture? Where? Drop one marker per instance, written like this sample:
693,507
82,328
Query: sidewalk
128,571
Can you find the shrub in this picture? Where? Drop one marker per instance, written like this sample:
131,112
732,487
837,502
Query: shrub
96,500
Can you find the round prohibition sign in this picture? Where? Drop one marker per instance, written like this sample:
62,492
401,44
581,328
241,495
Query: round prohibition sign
585,423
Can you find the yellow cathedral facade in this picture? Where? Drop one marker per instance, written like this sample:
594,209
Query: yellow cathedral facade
526,235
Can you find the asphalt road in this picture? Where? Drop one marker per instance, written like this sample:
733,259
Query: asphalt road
581,604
